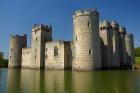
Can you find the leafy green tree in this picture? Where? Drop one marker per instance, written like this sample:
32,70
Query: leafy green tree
3,62
1,57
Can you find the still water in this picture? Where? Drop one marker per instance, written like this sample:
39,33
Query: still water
36,81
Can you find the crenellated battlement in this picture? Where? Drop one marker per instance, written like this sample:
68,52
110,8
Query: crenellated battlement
18,36
129,35
85,12
115,24
105,24
122,29
43,27
95,45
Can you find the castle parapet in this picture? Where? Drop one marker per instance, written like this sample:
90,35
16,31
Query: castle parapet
130,35
115,25
18,36
42,27
85,12
105,25
122,29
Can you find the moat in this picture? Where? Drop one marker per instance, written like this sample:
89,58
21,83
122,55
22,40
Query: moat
60,81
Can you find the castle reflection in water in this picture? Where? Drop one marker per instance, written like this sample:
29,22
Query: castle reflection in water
57,81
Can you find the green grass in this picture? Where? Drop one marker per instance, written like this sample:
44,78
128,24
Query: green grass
137,60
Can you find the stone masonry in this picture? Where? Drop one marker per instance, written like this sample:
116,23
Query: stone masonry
86,40
58,55
15,52
104,45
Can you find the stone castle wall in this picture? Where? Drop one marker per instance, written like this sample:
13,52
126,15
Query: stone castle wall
122,46
130,49
115,39
15,52
117,46
40,35
26,58
92,47
86,40
57,55
106,35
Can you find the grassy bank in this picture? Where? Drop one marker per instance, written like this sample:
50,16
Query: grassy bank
137,60
137,63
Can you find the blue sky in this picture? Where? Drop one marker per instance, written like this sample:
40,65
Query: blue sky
18,16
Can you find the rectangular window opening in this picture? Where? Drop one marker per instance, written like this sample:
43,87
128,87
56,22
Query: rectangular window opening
36,39
55,51
88,24
90,52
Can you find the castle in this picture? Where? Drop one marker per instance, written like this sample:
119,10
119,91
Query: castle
95,45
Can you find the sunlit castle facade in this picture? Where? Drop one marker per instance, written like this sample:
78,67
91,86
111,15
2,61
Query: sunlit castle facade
95,45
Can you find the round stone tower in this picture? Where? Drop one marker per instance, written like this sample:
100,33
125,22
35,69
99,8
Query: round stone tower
122,46
115,39
107,46
87,47
15,52
129,49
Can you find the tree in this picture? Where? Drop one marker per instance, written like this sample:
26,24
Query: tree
1,57
3,62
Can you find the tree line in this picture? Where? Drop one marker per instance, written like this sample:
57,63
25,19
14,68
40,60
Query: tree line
3,62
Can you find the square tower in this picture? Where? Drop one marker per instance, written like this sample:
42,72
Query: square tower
40,35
